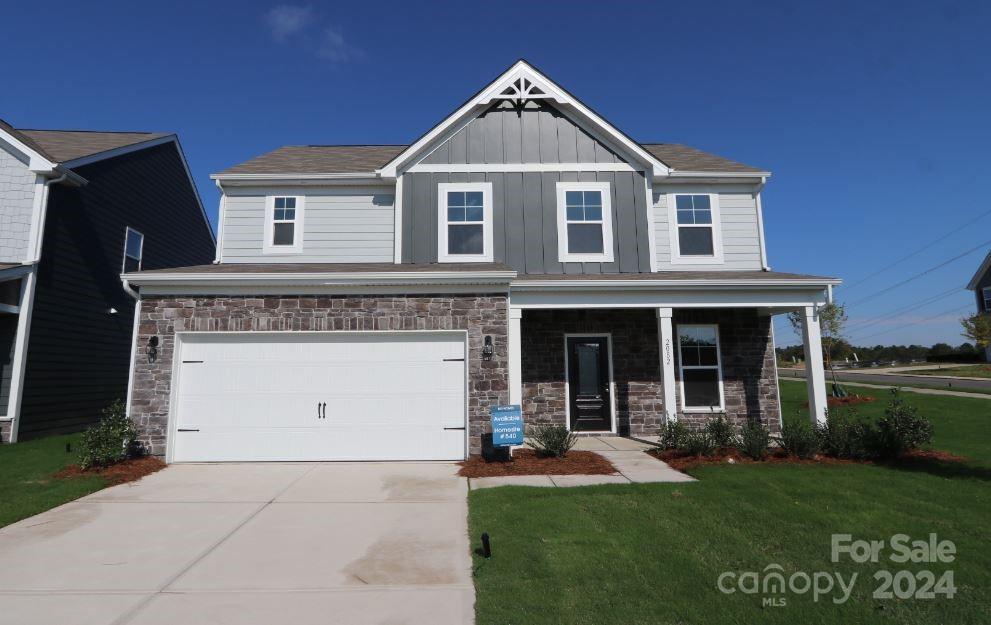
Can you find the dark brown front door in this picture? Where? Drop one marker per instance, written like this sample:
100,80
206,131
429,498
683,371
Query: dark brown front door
588,383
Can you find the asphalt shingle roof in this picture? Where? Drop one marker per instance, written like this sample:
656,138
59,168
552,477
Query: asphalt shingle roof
60,146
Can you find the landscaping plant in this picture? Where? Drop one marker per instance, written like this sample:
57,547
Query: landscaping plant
109,441
754,440
673,435
698,443
901,429
843,435
551,440
797,438
720,432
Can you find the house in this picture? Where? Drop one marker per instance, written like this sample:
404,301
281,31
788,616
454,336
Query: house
76,209
980,284
373,302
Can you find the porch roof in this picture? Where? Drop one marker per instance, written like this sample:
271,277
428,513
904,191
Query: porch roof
683,278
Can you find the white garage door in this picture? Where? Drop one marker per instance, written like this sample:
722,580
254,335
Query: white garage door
320,396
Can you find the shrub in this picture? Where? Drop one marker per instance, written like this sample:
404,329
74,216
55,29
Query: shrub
698,444
551,440
110,441
673,435
754,440
797,438
843,435
720,432
899,430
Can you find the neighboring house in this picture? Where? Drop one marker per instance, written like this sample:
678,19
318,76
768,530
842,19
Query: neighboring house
374,302
76,209
980,284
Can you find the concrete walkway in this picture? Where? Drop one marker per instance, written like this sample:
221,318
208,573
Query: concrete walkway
627,455
307,544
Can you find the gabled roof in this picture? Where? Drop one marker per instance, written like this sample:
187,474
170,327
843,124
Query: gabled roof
684,158
68,145
983,269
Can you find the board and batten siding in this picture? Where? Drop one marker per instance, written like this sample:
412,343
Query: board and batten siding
740,233
340,225
17,187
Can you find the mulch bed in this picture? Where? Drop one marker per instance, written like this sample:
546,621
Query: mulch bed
682,461
527,462
127,471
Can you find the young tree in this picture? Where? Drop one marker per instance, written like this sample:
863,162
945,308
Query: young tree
977,328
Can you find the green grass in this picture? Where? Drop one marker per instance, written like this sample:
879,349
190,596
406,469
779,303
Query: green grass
653,553
966,371
27,485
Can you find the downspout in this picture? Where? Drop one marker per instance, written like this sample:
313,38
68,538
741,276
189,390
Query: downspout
760,224
218,255
134,341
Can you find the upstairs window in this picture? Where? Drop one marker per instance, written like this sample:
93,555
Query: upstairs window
464,222
134,243
695,236
701,373
986,295
584,222
283,228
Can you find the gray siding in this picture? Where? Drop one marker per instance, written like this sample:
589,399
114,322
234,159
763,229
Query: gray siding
16,198
740,234
538,133
341,225
525,219
984,282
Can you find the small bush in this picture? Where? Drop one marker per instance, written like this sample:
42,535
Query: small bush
720,432
551,440
110,441
754,440
698,444
900,429
673,435
843,435
798,438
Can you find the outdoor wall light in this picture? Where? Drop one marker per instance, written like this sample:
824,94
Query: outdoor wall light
152,349
487,348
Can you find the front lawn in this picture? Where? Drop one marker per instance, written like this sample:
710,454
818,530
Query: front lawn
963,371
27,482
653,553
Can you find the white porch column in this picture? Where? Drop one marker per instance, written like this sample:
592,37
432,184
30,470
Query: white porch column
26,304
815,374
665,338
514,338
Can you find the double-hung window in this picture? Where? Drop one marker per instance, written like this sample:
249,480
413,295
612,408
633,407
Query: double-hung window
284,225
701,374
695,230
464,220
584,222
986,296
134,243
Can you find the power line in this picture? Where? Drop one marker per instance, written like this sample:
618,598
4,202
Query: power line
918,251
901,309
912,323
920,274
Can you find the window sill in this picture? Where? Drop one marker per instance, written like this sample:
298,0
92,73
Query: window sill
696,260
585,258
280,251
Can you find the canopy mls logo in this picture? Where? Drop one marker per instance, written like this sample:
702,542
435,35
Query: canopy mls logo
774,585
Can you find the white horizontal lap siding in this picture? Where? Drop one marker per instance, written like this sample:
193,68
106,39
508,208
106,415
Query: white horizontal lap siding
341,225
738,226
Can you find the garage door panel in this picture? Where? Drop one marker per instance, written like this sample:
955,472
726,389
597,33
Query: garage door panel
254,397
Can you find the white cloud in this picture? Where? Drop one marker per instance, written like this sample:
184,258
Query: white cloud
333,48
286,20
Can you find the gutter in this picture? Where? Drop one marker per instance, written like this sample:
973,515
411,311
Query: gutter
134,342
641,285
390,278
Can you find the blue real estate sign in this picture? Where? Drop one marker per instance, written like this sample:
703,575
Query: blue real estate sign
507,425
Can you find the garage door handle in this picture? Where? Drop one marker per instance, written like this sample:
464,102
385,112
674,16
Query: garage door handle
187,430
460,428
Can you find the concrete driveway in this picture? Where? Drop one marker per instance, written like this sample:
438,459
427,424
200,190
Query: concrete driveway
348,543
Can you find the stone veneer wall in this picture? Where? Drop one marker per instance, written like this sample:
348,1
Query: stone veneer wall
479,314
749,383
4,432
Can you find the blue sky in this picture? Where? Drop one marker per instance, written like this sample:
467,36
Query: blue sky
872,116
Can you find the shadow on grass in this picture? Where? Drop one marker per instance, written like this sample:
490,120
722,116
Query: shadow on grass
941,468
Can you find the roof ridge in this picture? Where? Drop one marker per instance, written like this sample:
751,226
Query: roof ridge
105,132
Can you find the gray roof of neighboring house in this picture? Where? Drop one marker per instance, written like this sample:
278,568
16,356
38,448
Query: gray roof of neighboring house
60,146
356,159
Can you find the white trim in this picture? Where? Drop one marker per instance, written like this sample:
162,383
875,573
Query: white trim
719,369
612,382
815,374
39,207
986,299
134,353
514,341
141,249
760,232
563,255
18,365
288,176
772,300
716,226
179,337
221,216
469,168
676,173
37,162
442,224
397,228
777,385
298,226
651,223
551,91
665,344
582,284
9,309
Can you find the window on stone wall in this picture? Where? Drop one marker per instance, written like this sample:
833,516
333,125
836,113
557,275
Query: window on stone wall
700,367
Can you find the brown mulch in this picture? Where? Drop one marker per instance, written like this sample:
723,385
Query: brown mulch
849,400
527,462
127,471
682,461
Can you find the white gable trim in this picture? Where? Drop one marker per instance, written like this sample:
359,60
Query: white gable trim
36,162
550,91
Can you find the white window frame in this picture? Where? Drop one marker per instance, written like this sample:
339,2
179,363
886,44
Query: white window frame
443,189
141,249
717,231
719,369
297,241
606,256
986,296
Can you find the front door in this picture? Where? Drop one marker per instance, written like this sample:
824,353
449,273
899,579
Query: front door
588,383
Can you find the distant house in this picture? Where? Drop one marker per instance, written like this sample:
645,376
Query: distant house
980,284
77,209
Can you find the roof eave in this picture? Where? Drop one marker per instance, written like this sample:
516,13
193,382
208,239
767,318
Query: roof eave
390,278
